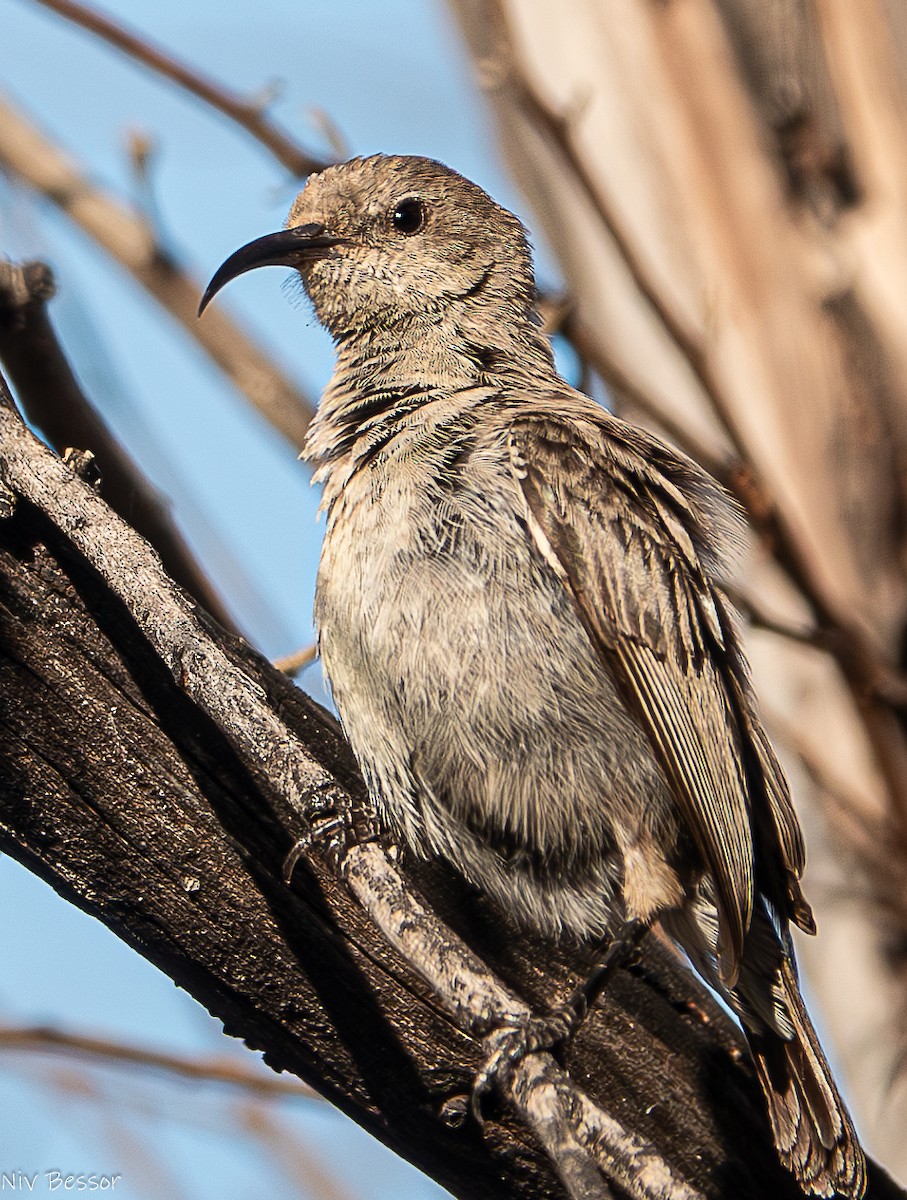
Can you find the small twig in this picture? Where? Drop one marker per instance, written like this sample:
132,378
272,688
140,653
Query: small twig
331,132
131,242
760,618
870,837
248,113
43,1039
287,1152
142,151
292,664
589,350
678,329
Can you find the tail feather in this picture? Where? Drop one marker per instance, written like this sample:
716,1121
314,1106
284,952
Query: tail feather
812,1128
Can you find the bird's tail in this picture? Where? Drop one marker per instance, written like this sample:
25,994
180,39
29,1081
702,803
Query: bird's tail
812,1128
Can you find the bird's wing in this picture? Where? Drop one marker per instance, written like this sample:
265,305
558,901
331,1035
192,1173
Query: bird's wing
626,524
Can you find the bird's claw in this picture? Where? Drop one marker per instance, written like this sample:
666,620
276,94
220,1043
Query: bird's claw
509,1044
329,835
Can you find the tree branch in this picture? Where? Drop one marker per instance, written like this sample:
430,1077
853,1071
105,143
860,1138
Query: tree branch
52,400
156,772
43,1039
293,664
249,114
129,240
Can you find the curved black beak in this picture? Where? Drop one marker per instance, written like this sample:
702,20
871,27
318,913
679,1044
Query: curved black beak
288,248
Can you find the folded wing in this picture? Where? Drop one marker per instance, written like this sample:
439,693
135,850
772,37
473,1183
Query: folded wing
631,529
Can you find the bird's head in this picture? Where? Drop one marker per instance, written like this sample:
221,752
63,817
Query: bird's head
392,241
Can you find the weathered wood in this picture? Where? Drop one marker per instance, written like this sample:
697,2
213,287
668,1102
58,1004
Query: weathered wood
782,59
118,791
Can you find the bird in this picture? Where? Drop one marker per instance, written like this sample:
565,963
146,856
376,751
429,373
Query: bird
521,611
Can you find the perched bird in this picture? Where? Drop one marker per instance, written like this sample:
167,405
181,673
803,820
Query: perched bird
520,613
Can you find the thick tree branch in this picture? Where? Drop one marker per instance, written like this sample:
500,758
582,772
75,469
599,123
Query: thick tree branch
156,772
238,709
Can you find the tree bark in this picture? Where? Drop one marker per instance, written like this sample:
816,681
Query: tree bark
124,795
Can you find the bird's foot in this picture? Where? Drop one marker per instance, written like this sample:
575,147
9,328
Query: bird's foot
509,1044
329,834
333,826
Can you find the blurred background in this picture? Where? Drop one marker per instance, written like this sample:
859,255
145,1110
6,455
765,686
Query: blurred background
718,203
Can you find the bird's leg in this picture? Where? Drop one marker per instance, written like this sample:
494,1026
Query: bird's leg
509,1043
621,952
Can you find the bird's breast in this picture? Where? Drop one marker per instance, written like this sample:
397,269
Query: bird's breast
428,590
462,673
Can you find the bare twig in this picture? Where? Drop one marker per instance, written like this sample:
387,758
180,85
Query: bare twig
684,336
44,1039
141,149
292,664
760,618
42,166
331,132
248,113
624,387
285,1150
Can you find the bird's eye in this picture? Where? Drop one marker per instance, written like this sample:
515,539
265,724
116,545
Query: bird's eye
408,216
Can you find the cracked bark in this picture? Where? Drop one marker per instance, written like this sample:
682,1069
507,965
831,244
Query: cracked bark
147,796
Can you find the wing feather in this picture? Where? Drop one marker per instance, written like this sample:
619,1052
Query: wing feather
634,547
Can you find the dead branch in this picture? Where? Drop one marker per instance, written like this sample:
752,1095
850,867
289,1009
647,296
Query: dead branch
286,1151
248,113
293,664
782,61
44,1039
32,158
52,400
199,766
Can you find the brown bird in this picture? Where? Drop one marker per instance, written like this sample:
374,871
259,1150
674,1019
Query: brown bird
520,611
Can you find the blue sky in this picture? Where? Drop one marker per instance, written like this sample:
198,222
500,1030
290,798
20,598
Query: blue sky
394,78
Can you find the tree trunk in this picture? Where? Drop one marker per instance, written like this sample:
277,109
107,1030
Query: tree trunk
723,185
